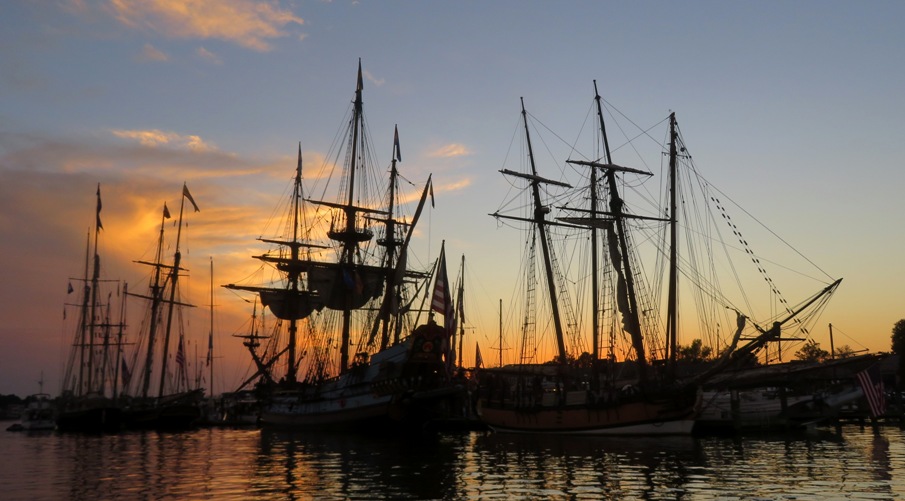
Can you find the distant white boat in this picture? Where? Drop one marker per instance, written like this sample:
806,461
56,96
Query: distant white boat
39,414
782,396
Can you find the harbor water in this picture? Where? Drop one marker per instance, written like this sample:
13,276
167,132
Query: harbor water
848,462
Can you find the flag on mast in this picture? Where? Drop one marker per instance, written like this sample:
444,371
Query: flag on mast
396,144
186,194
441,302
99,226
360,82
180,355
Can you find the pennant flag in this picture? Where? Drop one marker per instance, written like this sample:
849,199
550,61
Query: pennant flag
432,194
298,169
396,144
166,211
460,301
478,359
360,82
127,375
872,384
99,226
69,290
186,194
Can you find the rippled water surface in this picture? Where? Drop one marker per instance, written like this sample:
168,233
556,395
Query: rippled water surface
837,463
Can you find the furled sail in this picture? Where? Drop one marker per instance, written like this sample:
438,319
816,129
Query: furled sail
342,287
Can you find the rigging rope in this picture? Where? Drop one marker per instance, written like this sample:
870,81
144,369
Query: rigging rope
756,261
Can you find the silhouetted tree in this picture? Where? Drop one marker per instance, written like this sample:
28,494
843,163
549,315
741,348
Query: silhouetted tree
812,352
695,352
844,351
898,345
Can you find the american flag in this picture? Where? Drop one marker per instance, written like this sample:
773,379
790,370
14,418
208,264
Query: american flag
180,355
872,384
441,302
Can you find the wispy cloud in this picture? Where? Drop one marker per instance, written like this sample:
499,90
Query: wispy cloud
456,185
154,159
450,151
371,78
156,137
208,56
151,53
247,23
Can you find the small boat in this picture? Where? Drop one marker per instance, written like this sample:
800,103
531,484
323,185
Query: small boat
39,414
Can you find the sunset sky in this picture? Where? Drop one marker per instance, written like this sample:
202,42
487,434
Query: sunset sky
794,108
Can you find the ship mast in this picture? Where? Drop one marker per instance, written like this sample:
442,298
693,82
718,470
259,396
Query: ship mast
392,293
618,246
83,321
672,332
210,338
348,237
95,279
595,264
174,276
291,301
540,212
460,308
293,275
156,298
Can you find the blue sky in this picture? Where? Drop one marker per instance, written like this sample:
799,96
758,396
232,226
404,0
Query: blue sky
793,108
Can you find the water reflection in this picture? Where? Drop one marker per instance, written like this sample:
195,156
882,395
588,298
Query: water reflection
350,466
570,466
267,464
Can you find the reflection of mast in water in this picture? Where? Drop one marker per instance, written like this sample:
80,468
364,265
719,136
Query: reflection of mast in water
499,347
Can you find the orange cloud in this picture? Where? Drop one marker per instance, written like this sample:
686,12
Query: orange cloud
458,185
451,151
157,137
247,23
